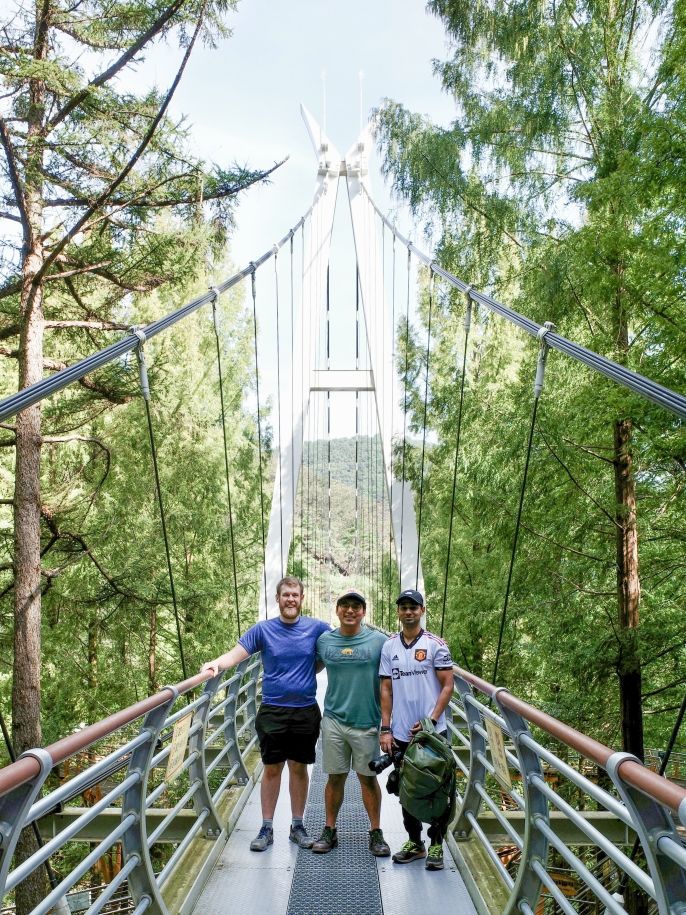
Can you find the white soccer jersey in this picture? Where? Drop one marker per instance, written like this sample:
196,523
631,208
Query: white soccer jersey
412,668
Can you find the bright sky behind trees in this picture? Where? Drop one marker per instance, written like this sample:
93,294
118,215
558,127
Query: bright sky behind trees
243,98
242,101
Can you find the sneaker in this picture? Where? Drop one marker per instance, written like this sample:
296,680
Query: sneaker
378,845
263,839
434,859
300,836
326,841
410,851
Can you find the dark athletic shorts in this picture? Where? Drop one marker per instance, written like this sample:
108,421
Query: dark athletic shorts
288,733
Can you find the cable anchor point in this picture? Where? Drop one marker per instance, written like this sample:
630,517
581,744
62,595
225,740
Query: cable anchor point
468,308
542,357
142,366
215,293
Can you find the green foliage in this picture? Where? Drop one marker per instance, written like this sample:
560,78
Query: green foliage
558,188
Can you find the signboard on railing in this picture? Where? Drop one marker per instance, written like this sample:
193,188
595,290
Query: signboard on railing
179,743
498,757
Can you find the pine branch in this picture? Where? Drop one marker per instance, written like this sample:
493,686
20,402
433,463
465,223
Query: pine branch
91,325
118,65
106,195
15,181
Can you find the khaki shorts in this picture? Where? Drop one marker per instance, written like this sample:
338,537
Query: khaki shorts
343,745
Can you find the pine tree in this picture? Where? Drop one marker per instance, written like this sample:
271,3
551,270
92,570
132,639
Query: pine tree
107,201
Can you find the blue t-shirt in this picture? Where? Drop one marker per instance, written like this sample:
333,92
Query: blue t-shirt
288,658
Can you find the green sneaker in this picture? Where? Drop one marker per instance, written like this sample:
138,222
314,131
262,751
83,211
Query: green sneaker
410,851
434,860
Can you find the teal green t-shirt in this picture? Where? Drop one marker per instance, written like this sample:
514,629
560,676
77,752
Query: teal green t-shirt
352,668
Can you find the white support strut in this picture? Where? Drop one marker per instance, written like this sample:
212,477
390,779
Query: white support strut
305,338
304,377
379,335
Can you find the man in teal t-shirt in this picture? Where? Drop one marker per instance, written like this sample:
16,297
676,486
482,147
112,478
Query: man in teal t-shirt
352,715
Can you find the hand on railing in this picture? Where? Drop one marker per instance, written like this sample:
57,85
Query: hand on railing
210,667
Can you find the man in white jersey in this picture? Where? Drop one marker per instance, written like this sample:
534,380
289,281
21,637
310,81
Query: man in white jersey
416,673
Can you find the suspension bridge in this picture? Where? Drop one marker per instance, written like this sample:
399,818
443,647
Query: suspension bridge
548,819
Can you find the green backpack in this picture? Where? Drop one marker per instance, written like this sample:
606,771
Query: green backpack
427,775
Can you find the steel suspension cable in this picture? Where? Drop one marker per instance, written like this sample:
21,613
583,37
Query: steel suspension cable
215,322
407,369
646,387
304,406
467,324
278,409
357,421
390,444
292,303
329,558
47,386
145,390
538,387
426,401
253,288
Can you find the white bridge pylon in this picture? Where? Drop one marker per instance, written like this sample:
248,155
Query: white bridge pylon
379,378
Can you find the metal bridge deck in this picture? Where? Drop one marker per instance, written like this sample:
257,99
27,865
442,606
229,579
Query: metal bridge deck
346,880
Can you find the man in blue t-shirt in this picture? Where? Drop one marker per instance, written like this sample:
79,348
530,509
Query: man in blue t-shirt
288,720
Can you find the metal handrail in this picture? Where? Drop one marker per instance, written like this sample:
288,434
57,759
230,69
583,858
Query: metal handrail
639,799
23,782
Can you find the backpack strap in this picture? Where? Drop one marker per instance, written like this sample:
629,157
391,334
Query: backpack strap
428,725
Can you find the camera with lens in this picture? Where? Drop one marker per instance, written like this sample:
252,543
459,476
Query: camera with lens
385,760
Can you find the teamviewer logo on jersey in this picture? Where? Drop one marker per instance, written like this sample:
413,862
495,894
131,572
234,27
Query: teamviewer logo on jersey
395,673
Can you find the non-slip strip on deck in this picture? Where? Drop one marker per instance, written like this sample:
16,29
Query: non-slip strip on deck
345,880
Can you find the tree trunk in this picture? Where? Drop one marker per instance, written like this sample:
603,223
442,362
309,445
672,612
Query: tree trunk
628,592
26,694
628,581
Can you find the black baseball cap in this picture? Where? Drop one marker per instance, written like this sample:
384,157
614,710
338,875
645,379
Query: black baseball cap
352,593
414,596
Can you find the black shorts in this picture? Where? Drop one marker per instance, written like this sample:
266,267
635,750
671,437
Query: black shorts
288,733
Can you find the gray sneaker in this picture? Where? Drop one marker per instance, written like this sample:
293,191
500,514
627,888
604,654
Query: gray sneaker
299,835
263,839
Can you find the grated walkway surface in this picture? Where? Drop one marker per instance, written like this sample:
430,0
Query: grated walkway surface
285,880
345,880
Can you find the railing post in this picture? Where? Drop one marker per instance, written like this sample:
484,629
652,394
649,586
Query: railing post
14,809
527,887
235,757
652,823
202,799
251,691
142,883
471,802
